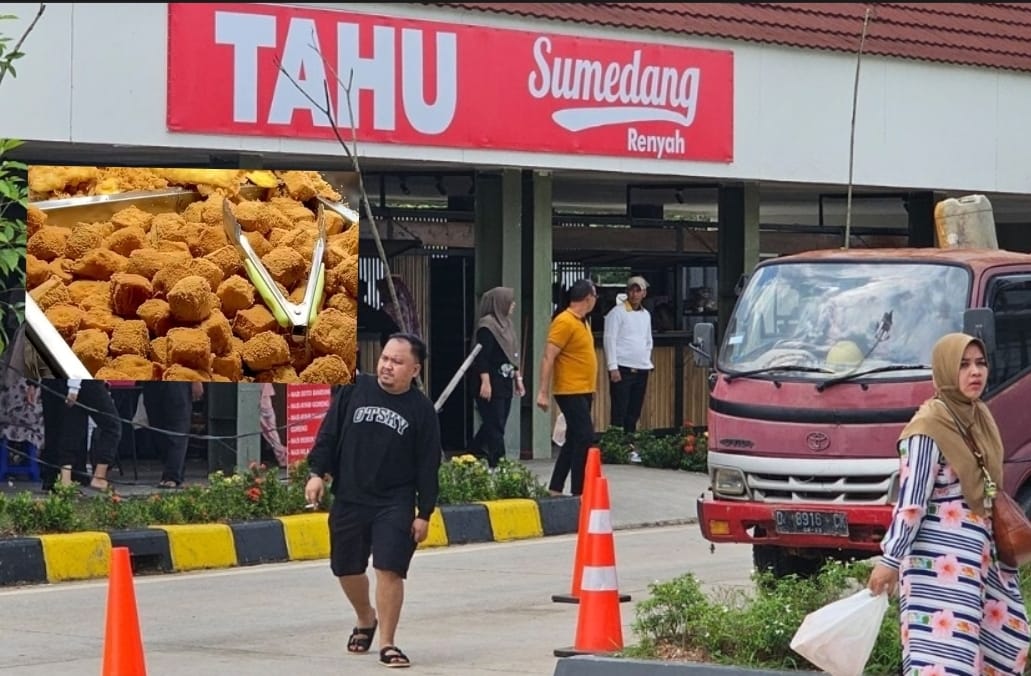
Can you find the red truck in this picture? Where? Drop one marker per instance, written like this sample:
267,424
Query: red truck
825,358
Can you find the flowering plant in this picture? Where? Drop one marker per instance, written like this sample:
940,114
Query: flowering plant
466,478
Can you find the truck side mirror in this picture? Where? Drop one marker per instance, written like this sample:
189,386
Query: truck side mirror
703,344
980,323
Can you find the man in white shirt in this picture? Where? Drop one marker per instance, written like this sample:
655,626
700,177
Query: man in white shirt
628,354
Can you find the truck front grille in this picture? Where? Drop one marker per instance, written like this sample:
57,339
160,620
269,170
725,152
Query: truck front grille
875,489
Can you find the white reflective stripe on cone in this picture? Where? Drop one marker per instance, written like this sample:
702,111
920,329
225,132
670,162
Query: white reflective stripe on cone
600,522
599,578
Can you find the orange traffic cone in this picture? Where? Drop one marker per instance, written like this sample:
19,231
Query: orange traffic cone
123,647
592,470
599,627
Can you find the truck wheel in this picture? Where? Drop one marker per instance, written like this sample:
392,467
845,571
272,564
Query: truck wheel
781,562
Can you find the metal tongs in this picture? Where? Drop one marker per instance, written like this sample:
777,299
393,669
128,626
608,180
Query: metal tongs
295,316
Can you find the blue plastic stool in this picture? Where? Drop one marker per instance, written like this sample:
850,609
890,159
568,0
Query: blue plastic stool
31,469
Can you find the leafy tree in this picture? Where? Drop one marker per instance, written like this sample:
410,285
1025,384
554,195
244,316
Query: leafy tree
14,200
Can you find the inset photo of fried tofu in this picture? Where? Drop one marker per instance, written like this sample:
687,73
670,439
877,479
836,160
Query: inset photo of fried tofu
141,272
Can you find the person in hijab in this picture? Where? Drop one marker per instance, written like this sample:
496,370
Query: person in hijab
496,371
961,609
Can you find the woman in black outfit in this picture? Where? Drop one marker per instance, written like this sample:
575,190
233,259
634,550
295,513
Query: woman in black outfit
497,369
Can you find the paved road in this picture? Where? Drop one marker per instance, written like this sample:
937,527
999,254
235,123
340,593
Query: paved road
471,610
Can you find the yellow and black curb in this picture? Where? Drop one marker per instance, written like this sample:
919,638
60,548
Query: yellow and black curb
171,549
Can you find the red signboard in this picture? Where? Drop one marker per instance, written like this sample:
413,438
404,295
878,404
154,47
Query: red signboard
306,405
441,84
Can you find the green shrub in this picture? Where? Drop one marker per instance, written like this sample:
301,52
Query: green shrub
466,478
614,445
753,628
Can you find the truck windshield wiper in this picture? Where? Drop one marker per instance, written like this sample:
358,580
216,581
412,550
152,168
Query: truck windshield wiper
731,375
858,374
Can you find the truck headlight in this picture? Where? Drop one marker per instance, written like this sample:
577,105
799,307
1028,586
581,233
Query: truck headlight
726,481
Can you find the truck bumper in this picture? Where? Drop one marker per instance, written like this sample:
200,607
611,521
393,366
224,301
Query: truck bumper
755,523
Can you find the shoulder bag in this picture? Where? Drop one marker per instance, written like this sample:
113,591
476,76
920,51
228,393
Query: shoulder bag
1010,525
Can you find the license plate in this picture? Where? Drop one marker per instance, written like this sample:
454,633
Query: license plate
811,523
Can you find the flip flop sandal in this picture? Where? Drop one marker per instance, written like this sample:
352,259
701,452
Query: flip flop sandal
392,658
361,639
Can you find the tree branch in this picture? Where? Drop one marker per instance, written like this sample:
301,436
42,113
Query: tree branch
326,109
21,40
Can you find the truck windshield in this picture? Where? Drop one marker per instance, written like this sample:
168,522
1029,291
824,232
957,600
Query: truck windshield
837,317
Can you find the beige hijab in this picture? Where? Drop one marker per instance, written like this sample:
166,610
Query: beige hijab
935,420
494,307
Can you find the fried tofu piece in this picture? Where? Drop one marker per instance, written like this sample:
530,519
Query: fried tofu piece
147,262
156,314
220,331
66,319
343,276
135,367
331,370
109,373
130,338
229,366
255,216
84,238
227,259
101,319
125,240
99,264
180,372
265,350
36,271
235,294
207,239
292,209
340,247
170,227
191,300
159,350
90,295
174,246
189,347
168,277
252,321
128,293
133,217
61,269
113,180
51,292
48,242
226,179
258,242
344,303
335,333
280,374
305,185
208,211
202,267
35,218
285,265
90,347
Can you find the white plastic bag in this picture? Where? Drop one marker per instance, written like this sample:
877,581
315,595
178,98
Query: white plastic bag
840,636
558,435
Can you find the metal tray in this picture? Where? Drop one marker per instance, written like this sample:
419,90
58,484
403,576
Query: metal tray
98,208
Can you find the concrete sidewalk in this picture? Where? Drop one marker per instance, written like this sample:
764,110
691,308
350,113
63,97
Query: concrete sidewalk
643,496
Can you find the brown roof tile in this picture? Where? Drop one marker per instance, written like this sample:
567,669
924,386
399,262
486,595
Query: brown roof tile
993,35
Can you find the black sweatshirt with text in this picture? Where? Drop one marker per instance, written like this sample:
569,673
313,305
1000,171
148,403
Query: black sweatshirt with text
381,448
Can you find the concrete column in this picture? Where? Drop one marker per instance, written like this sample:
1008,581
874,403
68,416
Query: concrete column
498,258
233,411
737,242
536,300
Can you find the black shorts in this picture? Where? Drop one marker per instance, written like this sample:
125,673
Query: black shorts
356,531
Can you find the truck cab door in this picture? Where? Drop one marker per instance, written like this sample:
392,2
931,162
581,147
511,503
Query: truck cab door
1008,294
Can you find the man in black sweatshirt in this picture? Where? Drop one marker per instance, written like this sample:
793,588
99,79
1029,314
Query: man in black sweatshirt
380,441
